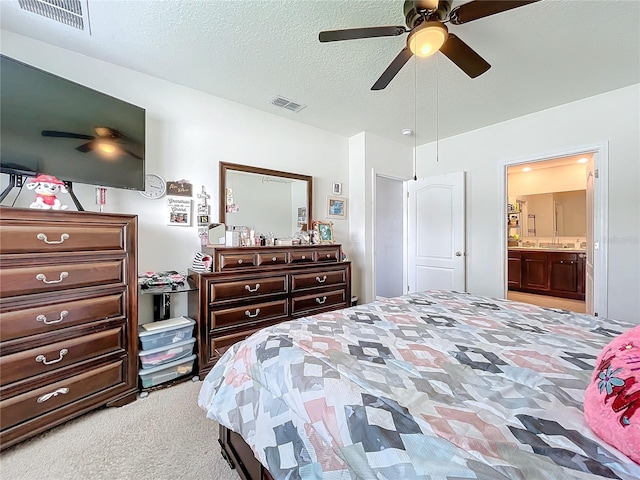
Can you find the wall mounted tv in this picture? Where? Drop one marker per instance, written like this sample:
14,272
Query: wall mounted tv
57,127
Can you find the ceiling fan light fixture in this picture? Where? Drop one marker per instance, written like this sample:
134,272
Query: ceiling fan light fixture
427,38
107,147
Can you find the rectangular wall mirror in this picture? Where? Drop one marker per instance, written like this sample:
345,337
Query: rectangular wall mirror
271,201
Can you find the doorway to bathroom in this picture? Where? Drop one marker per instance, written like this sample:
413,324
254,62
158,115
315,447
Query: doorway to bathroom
555,219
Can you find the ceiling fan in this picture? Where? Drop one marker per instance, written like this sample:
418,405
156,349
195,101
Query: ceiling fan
107,141
428,34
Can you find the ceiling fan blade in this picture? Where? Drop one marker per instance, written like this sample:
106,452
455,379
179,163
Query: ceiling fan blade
464,56
393,69
483,8
355,33
85,147
55,133
130,153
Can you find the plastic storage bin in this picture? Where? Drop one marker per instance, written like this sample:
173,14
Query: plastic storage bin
155,376
165,332
160,356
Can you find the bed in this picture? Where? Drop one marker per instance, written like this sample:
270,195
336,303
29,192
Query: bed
431,385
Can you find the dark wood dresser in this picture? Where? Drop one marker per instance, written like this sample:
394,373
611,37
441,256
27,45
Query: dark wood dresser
68,317
254,287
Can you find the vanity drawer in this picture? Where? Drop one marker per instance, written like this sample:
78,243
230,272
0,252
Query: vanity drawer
271,258
54,316
254,313
54,396
300,281
20,237
328,254
47,278
251,287
236,260
38,360
307,304
301,256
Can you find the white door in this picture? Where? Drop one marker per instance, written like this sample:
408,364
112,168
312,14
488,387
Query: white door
588,270
436,255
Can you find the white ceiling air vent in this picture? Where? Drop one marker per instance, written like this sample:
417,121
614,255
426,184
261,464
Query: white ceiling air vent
74,13
288,104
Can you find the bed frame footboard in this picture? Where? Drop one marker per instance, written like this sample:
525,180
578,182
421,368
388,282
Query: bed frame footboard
240,456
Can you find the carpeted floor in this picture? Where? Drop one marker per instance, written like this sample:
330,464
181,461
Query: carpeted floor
163,436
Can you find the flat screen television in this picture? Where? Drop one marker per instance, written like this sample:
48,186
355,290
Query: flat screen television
54,126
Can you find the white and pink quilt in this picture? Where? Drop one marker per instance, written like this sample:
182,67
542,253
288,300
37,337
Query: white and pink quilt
432,385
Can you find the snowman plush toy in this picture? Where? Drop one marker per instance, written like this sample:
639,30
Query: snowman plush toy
46,187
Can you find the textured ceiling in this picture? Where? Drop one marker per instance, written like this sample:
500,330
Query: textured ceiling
542,55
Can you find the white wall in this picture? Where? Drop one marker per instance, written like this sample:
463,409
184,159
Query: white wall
188,133
612,118
369,155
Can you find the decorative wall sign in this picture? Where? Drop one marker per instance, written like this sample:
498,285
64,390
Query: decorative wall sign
180,188
179,211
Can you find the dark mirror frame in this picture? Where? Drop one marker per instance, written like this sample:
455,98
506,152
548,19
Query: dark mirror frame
224,167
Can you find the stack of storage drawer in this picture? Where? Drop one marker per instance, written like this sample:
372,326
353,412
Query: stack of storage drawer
166,350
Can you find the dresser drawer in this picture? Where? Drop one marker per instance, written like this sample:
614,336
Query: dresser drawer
328,254
233,261
300,281
301,256
50,317
220,344
254,313
308,304
251,287
36,361
31,404
18,237
47,278
271,258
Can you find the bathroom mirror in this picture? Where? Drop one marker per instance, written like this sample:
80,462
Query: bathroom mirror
271,201
558,214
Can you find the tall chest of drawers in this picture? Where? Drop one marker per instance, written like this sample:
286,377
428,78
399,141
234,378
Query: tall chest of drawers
253,287
68,317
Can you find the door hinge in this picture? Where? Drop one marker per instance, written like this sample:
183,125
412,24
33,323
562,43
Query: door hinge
596,173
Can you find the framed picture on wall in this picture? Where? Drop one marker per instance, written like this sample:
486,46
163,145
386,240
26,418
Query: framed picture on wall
337,188
336,207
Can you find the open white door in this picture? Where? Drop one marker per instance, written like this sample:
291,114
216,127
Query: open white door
588,269
436,254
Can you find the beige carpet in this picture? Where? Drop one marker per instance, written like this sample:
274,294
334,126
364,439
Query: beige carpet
163,436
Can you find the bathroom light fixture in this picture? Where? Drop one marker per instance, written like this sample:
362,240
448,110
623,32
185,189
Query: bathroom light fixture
583,160
526,169
407,131
426,39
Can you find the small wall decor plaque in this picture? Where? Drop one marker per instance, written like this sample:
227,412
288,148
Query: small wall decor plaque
180,188
336,207
179,211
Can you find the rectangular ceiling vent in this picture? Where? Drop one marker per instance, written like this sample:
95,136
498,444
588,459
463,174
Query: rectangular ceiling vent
69,12
288,104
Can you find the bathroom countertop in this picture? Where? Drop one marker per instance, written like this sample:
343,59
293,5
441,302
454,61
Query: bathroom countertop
550,249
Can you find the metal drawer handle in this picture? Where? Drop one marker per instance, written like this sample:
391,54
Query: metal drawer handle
321,280
43,359
328,255
303,257
273,259
55,393
240,262
43,319
248,313
324,299
43,277
249,289
43,237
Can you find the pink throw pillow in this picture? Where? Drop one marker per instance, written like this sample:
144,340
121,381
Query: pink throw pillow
612,399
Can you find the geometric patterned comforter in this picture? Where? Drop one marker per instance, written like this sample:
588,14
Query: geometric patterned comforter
431,385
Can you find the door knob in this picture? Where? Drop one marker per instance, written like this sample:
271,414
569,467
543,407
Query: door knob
458,254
